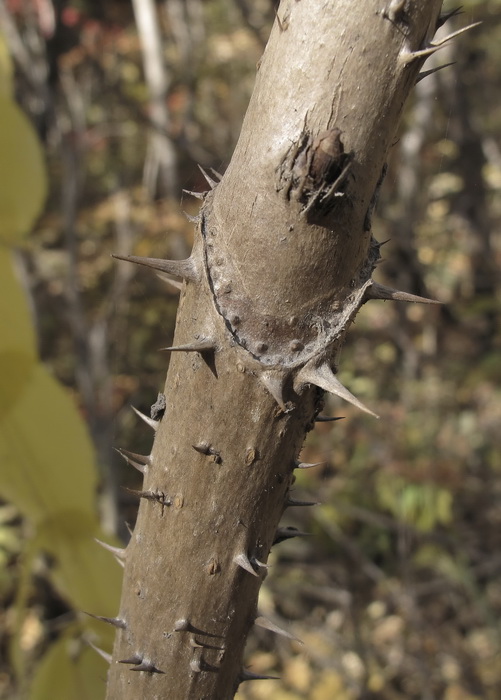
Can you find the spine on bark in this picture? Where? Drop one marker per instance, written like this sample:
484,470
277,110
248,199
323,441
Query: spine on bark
281,264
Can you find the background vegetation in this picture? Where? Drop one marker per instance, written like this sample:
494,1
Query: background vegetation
397,595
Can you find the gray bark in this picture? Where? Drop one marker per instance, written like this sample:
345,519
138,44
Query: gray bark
281,264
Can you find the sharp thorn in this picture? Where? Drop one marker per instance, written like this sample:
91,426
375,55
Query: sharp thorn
198,195
205,345
185,269
307,465
243,562
147,667
133,661
447,15
114,621
323,376
266,624
103,654
178,286
149,421
380,291
291,502
260,564
216,174
246,675
274,383
328,419
118,552
425,73
139,462
410,56
453,35
212,183
287,533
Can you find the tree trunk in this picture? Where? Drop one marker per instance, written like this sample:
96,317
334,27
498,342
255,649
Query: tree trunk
281,264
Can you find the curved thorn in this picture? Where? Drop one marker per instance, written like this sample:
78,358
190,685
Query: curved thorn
212,183
178,286
198,195
380,291
147,667
307,465
447,15
328,419
118,552
267,624
453,35
246,675
185,269
103,654
135,460
216,174
287,533
291,502
205,345
114,621
149,421
323,376
243,562
260,564
133,661
274,383
410,56
425,73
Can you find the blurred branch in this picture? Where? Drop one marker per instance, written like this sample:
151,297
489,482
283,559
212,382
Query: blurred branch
160,169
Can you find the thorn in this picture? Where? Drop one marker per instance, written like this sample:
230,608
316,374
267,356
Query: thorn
287,533
425,73
307,465
203,645
212,183
198,195
291,502
380,291
147,667
266,624
114,621
182,625
157,496
246,675
453,35
118,552
178,286
205,449
133,661
260,564
216,174
323,376
243,562
103,654
407,57
328,419
204,345
139,462
149,421
274,383
192,219
447,15
185,269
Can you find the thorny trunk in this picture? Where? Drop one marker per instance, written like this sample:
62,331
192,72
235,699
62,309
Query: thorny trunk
281,264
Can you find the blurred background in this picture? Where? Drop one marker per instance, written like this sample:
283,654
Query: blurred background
107,108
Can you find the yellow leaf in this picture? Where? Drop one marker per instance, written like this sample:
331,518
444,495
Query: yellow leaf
23,184
16,328
6,69
69,671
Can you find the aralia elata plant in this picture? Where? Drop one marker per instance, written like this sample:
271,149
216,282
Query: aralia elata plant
282,262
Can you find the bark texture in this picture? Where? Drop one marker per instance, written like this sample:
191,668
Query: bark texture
281,264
